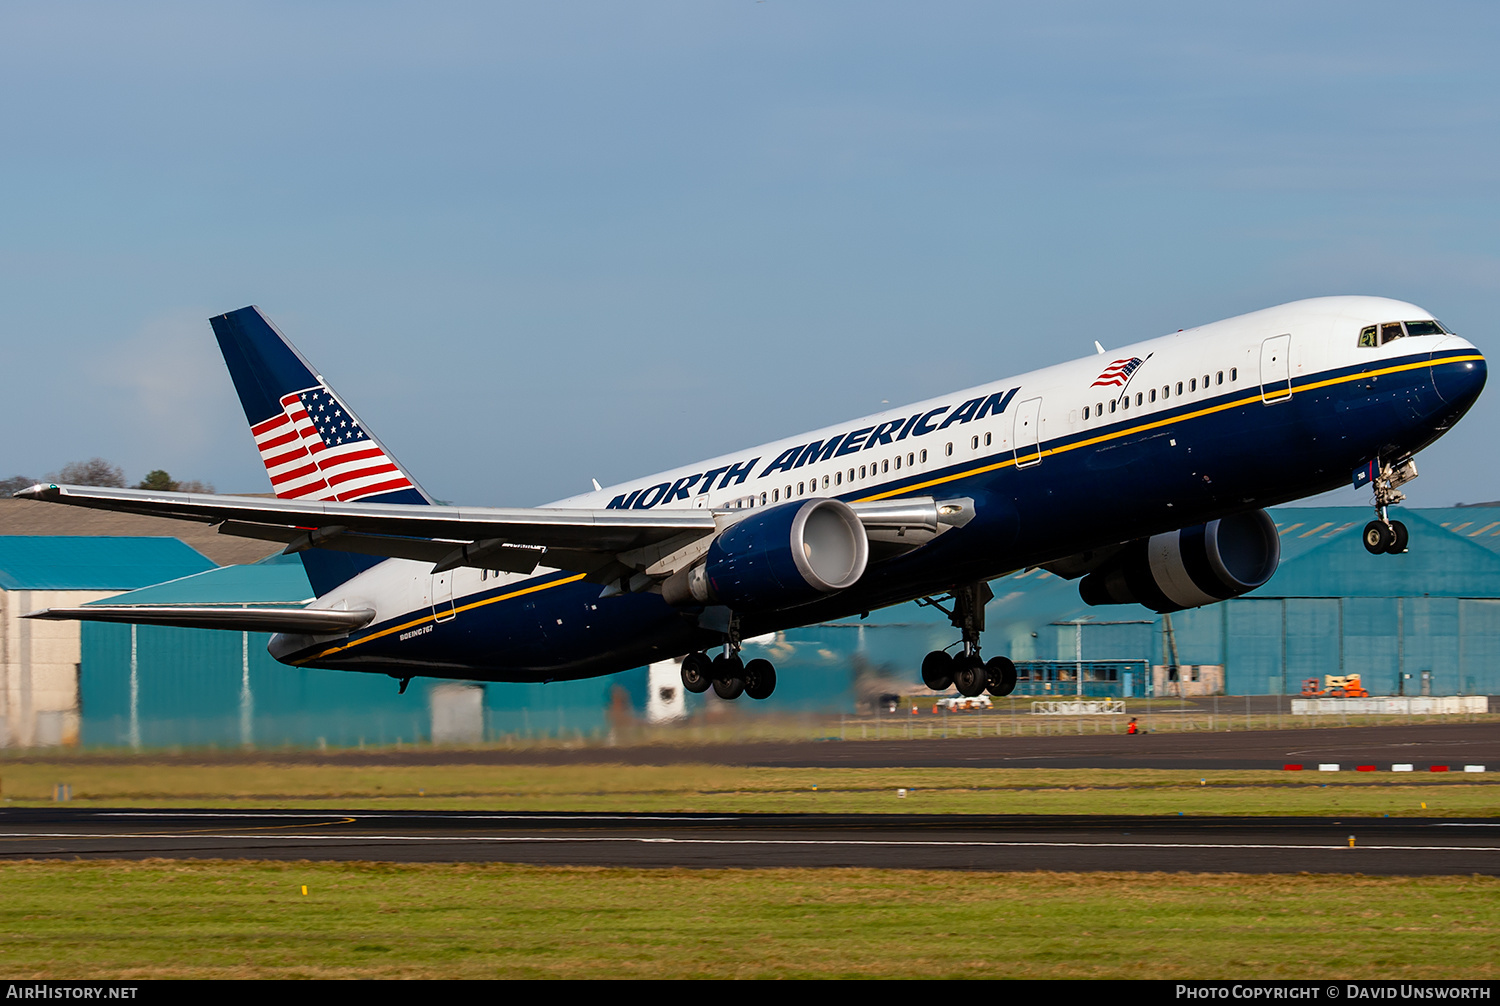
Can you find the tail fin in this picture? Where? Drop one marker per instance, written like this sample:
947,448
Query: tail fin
313,445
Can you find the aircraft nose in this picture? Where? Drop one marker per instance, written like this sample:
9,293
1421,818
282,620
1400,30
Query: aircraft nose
1458,377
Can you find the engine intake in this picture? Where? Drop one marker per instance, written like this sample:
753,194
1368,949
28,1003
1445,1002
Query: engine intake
777,558
1198,565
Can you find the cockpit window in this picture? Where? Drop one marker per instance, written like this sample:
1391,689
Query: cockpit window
1424,328
1367,336
1389,331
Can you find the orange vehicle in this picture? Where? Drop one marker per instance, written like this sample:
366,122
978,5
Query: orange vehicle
1335,686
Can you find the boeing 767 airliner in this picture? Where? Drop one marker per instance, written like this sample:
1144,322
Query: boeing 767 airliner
1144,473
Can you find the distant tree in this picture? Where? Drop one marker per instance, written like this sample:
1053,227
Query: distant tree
194,486
93,472
15,484
159,481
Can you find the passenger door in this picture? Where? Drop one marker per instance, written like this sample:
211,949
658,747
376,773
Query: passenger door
1276,369
1028,433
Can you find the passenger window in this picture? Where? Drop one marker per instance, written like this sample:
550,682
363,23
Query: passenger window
1390,331
911,459
1099,409
825,481
1367,338
1205,382
838,478
1179,387
861,471
801,488
948,449
898,462
1111,405
973,443
1234,374
1193,384
775,495
924,457
1221,377
1124,402
988,439
851,475
1139,396
885,465
1153,395
788,492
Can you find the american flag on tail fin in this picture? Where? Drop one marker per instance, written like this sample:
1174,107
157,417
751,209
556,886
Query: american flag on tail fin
316,449
1117,374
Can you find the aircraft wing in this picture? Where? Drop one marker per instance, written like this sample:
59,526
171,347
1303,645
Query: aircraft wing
631,548
606,544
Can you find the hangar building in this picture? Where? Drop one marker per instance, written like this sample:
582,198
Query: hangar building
1427,622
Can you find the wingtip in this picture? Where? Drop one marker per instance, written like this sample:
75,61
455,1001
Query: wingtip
40,491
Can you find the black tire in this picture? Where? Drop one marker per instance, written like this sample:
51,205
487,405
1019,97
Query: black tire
760,679
1002,675
1399,538
937,671
969,675
1378,537
729,677
696,673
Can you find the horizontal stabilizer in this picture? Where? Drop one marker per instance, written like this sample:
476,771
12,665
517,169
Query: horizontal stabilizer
303,621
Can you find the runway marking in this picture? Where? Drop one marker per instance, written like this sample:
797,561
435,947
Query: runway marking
654,840
439,816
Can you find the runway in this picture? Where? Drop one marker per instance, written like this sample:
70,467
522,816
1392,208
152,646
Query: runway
1422,745
949,842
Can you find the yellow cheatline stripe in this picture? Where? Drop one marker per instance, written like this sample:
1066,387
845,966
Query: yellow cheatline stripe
1158,424
431,618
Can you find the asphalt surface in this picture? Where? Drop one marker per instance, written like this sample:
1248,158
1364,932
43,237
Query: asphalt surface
955,842
1421,745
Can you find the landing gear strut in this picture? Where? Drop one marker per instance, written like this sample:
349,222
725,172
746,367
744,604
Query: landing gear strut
967,669
1383,535
728,675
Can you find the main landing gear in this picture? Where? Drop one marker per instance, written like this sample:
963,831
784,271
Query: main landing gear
1384,536
727,674
967,669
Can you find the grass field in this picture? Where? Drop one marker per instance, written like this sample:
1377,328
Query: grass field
240,920
719,789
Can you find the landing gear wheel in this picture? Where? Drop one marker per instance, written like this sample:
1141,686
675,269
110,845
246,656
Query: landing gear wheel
696,673
1378,537
937,671
1002,676
760,679
729,677
1399,538
969,675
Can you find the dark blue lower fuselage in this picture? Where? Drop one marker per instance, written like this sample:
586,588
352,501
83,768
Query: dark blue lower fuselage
1106,483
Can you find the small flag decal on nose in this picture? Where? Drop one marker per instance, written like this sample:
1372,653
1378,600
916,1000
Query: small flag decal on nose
1117,374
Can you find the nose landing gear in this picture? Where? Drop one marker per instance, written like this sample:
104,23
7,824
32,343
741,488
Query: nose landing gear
967,669
1384,536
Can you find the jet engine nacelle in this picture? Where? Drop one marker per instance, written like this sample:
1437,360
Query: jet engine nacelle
777,558
1189,568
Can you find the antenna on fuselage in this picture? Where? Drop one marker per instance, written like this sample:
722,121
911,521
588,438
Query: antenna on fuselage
1098,348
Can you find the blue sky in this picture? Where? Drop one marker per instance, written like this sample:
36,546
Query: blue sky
534,244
